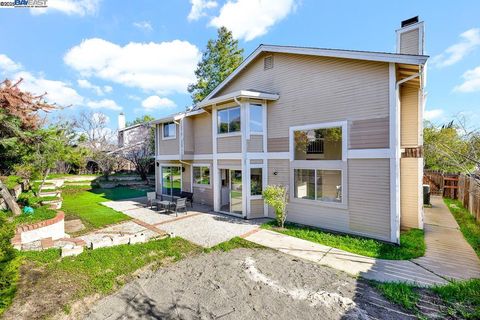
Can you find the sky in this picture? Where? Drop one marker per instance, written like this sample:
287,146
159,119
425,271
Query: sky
138,57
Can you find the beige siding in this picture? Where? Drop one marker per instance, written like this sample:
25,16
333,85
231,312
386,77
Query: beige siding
410,195
310,213
188,134
255,144
170,146
317,89
369,197
282,168
278,144
256,161
229,162
409,117
369,133
229,144
187,178
202,133
203,195
256,208
409,42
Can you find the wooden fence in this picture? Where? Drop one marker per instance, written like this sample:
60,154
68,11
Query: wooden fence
456,186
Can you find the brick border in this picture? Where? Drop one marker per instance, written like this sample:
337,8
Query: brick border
17,239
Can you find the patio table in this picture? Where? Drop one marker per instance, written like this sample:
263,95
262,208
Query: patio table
166,205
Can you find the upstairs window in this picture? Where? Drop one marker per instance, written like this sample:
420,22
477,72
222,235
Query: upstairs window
256,118
169,130
318,144
229,120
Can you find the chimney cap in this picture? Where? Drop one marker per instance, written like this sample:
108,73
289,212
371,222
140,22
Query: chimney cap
410,21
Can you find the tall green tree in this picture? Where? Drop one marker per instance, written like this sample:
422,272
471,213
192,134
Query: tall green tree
221,57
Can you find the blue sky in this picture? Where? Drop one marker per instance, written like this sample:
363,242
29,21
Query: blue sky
138,56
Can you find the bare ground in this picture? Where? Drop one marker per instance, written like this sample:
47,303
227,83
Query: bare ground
246,284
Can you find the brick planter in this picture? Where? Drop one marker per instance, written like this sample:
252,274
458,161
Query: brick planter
52,228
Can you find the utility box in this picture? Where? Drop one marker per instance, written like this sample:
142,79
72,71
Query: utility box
426,194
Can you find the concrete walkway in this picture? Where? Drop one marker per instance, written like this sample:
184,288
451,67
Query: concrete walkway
448,255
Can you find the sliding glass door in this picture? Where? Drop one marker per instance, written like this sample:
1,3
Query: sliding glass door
171,181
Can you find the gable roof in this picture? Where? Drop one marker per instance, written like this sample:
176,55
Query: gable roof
323,52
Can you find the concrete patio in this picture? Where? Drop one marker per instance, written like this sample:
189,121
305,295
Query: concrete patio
199,225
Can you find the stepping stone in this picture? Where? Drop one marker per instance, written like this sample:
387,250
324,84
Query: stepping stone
46,243
72,226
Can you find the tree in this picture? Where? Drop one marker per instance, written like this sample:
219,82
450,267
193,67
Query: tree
220,58
138,120
277,198
140,149
99,140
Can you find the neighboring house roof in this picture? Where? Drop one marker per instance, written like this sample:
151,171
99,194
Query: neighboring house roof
133,127
323,52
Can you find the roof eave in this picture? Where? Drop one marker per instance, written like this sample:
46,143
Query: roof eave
239,95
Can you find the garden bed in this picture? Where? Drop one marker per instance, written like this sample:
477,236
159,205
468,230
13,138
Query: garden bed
412,241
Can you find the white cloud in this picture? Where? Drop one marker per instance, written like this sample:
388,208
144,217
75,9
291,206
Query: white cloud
82,83
8,65
249,19
143,25
155,102
161,67
433,114
199,7
470,39
69,7
104,104
471,81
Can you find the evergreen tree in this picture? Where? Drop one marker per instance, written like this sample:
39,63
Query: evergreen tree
221,57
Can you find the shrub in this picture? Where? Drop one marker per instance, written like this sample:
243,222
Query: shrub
9,264
12,181
29,199
276,197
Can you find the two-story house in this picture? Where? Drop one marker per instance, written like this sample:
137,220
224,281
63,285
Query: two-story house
342,129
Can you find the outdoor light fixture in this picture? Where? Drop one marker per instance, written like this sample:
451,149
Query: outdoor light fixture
275,173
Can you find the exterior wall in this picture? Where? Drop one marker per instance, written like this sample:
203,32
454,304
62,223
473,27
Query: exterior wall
282,176
187,178
168,147
256,208
202,133
188,135
319,89
411,174
255,144
409,42
277,144
369,134
231,144
369,197
409,117
229,162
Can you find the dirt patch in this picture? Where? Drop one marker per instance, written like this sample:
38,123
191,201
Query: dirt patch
245,284
74,225
36,296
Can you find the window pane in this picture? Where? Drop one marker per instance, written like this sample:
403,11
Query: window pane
304,184
201,175
256,181
169,130
166,181
176,181
234,119
329,185
223,121
256,118
318,144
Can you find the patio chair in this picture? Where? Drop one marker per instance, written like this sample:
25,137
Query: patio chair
181,204
188,196
151,199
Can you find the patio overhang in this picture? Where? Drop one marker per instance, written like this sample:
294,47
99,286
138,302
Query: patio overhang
241,94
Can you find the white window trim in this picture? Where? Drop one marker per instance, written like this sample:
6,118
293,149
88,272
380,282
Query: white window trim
208,186
256,166
229,134
340,165
163,131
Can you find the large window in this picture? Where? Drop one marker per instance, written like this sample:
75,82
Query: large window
256,181
171,181
169,130
229,120
318,144
201,175
322,185
256,118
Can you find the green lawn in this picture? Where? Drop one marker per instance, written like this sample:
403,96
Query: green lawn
233,243
461,299
468,225
412,242
83,202
40,214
